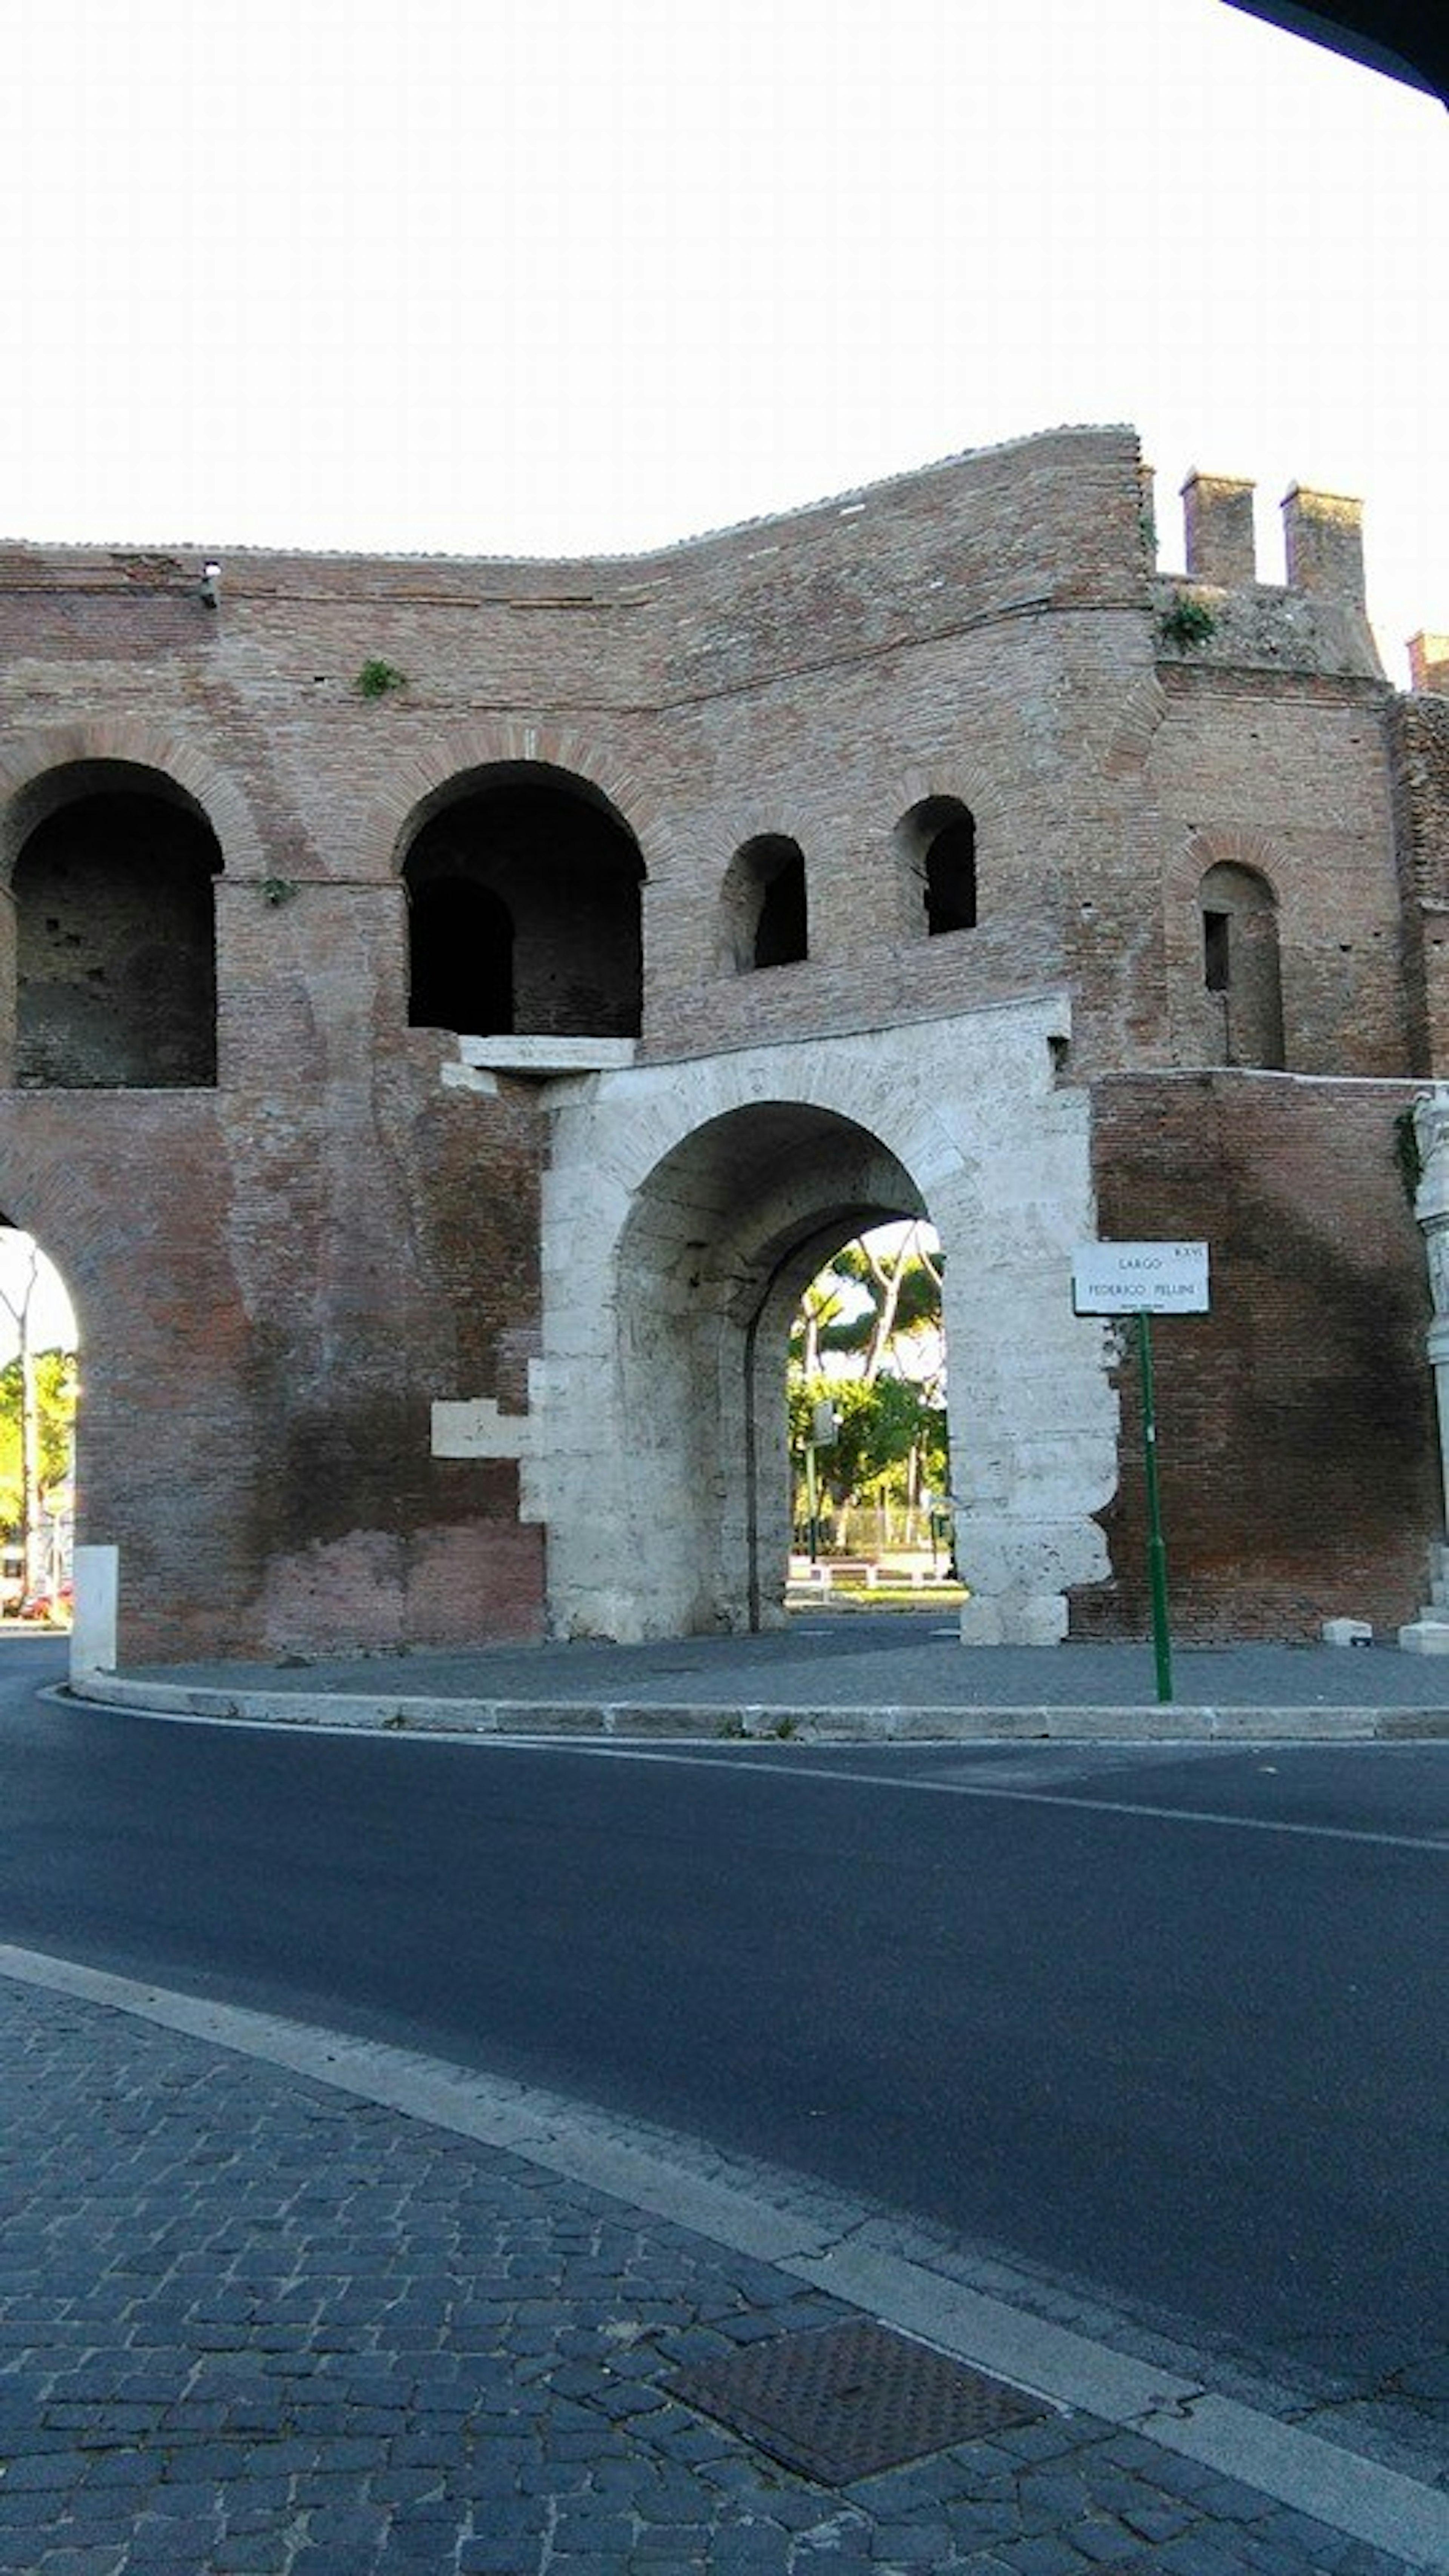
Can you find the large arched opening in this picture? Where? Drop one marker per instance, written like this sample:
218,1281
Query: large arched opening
867,1400
724,1236
523,889
115,945
39,1394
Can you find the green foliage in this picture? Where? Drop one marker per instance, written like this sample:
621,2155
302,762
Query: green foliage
376,679
881,1421
56,1386
1188,621
867,1303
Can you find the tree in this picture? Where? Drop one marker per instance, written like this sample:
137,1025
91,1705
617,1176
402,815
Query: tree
878,1303
37,1408
868,1339
54,1380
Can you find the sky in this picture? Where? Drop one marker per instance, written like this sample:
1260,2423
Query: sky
592,276
45,1303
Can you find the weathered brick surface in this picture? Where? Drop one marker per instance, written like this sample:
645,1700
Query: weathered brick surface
1296,1449
278,1274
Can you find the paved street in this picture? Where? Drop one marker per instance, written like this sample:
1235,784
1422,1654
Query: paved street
251,2325
1116,2069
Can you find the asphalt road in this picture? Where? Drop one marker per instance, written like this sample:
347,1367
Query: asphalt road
1165,2026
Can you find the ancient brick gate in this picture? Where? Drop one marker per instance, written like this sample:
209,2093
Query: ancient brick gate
447,1007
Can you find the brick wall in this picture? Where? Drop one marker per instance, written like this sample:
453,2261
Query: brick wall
1297,1448
1418,737
277,1274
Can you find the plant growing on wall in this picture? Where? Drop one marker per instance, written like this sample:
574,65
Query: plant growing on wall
377,679
1188,621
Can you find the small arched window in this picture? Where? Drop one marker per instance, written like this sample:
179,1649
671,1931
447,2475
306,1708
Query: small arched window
1241,976
937,841
765,904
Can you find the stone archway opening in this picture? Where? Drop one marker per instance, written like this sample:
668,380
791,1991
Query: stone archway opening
114,922
39,1396
867,1404
723,1238
523,889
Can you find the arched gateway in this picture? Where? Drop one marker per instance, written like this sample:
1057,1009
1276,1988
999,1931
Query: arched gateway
685,1208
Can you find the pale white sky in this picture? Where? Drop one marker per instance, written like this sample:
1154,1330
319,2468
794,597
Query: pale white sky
550,276
51,1319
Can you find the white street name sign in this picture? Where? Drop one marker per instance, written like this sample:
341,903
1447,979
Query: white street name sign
1140,1278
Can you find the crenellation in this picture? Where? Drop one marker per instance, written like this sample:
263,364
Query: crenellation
1218,516
1323,544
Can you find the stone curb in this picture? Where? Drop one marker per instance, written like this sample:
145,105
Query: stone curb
390,1713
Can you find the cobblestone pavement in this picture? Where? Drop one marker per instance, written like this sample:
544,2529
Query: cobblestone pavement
252,2326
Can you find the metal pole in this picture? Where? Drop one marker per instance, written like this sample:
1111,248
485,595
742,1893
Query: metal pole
1156,1549
812,1500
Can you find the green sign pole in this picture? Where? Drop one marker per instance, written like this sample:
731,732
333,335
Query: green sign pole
1156,1549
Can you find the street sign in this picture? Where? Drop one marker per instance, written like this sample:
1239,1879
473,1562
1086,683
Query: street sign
1145,1279
1140,1279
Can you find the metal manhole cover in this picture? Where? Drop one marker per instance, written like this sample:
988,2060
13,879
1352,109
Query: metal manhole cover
842,2402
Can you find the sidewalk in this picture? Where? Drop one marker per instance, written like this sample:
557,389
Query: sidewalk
255,2322
827,1676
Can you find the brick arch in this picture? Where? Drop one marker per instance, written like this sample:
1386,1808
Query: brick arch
437,771
45,1195
34,767
1228,906
1231,848
957,776
951,778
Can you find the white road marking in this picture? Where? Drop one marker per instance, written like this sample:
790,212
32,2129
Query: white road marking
784,1767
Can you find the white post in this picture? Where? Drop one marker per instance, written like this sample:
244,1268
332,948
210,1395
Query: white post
97,1596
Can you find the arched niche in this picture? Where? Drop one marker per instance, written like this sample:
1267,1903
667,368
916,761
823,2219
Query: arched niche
523,889
1239,964
115,940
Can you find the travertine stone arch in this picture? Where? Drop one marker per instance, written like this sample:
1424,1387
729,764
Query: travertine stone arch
685,1206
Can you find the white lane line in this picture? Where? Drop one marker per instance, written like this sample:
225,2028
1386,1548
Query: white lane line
782,1768
785,1767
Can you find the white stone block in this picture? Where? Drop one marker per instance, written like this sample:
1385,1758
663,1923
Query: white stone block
1425,1637
474,1428
97,1573
1347,1632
